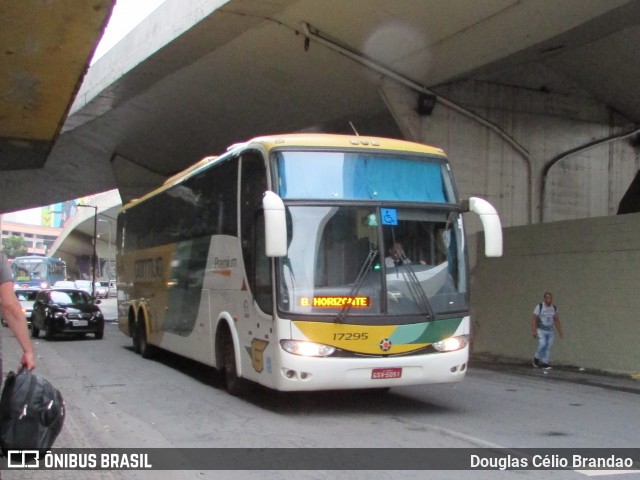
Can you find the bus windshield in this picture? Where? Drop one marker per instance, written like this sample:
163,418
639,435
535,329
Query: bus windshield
37,271
363,176
27,269
372,263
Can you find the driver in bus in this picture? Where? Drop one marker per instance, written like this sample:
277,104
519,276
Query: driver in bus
397,257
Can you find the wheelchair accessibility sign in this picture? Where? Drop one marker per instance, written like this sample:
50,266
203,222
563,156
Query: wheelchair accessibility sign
389,216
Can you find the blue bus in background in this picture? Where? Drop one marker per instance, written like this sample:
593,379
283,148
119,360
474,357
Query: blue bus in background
39,272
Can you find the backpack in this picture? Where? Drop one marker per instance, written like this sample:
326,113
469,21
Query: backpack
32,413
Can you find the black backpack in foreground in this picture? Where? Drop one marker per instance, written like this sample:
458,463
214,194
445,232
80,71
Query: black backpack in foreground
31,413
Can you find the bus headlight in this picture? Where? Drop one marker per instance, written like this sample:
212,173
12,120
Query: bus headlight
452,343
307,349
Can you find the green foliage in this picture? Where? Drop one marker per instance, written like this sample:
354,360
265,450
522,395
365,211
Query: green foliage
14,246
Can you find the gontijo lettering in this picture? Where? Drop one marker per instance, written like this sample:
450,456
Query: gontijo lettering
337,301
148,267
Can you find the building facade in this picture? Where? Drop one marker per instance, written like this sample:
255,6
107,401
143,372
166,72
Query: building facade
39,239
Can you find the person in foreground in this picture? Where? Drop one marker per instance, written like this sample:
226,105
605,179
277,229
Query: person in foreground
16,321
545,318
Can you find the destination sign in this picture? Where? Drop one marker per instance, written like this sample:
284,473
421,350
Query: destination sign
335,301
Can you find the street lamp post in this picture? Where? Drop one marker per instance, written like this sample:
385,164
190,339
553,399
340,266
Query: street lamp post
93,256
109,254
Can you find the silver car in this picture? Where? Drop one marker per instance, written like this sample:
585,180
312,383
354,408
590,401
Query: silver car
26,296
84,285
102,289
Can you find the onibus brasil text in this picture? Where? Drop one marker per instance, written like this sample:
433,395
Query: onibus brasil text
74,460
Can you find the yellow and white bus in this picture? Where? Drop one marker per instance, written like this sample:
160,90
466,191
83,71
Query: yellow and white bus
305,262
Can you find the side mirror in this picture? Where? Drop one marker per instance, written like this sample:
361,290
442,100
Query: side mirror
490,224
275,225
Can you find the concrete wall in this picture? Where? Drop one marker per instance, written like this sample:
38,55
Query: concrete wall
545,125
590,266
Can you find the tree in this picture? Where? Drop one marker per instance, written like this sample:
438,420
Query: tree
14,246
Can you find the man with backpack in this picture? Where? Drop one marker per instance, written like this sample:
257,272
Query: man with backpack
12,312
32,411
545,318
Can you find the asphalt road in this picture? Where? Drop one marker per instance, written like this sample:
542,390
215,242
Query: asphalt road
117,399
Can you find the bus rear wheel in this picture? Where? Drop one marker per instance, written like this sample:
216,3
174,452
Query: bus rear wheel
141,344
135,335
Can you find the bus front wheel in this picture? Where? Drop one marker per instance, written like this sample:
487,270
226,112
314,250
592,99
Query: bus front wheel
236,386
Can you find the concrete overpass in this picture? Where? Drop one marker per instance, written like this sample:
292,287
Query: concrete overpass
75,243
46,48
520,86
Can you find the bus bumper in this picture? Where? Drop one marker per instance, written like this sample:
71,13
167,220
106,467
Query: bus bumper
298,373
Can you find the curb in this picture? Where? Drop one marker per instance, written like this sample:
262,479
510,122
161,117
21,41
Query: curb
623,382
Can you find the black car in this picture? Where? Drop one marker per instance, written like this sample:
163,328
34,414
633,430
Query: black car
66,311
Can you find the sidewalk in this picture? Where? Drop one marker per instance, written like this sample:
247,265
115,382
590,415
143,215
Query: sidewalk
620,382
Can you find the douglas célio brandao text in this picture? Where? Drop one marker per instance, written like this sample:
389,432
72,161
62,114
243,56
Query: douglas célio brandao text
513,462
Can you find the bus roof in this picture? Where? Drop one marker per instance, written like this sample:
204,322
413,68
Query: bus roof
38,258
325,140
302,140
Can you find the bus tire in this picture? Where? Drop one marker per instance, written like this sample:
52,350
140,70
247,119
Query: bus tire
236,386
146,350
133,331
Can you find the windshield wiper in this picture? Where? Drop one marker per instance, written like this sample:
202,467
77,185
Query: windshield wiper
415,289
364,269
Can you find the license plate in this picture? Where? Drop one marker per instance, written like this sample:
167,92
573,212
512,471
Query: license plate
382,373
80,323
